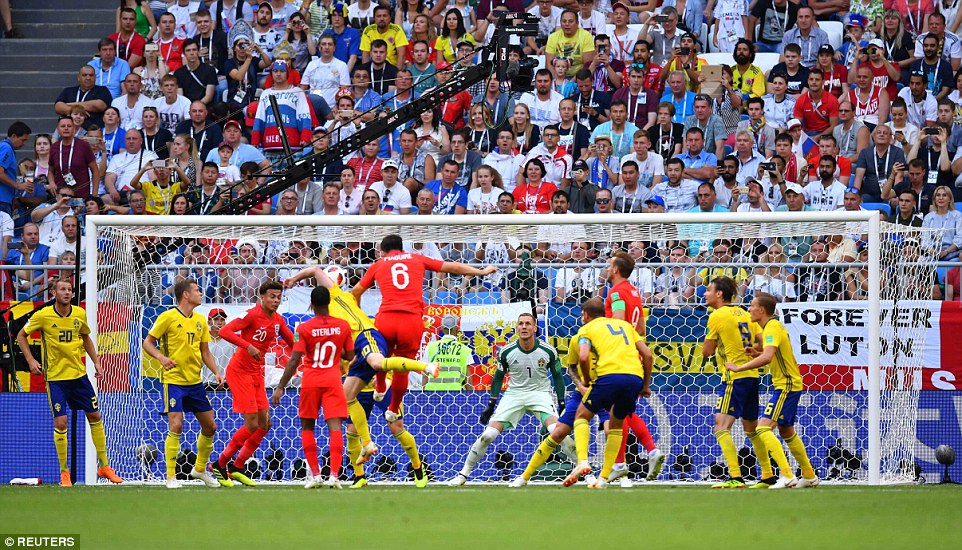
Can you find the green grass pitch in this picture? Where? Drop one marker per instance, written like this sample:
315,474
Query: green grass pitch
282,517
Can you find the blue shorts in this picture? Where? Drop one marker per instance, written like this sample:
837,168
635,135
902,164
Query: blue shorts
739,399
366,399
192,399
783,407
618,392
77,393
571,407
367,342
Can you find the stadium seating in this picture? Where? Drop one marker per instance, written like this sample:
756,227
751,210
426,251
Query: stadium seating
765,61
718,58
835,31
882,207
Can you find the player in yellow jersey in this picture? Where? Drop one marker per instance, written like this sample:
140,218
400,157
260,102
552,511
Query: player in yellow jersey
182,335
369,356
608,352
64,337
782,409
730,332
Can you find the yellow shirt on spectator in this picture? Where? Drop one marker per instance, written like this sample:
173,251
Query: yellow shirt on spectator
393,35
449,51
753,82
160,198
692,86
571,48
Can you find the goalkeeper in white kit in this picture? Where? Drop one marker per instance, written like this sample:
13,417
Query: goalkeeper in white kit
535,370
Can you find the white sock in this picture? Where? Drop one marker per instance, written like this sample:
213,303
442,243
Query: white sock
478,449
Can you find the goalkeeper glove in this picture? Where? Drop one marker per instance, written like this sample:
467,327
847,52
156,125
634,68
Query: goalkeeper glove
488,411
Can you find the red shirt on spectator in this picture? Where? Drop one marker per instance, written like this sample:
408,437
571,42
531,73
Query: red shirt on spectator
815,116
454,109
843,165
132,46
366,171
172,53
834,79
534,199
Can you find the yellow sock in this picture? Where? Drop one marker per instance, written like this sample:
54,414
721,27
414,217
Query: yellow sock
205,445
410,448
403,364
727,445
797,448
359,419
354,451
100,442
171,450
612,446
775,448
540,457
60,442
761,454
582,438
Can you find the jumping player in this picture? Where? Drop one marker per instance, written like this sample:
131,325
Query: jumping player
624,302
534,370
400,276
64,337
325,340
183,336
776,350
260,328
369,356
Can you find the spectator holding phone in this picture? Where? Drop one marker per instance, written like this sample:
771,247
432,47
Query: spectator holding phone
29,251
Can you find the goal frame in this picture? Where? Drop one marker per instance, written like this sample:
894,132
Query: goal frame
871,217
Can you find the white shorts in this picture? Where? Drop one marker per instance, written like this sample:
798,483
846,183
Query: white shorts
514,405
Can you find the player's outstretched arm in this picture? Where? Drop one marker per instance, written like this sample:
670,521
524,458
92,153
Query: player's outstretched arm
764,358
314,271
292,364
91,350
24,344
231,334
459,268
150,348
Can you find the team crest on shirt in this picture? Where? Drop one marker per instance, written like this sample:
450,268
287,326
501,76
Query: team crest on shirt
56,407
199,327
277,330
76,324
542,363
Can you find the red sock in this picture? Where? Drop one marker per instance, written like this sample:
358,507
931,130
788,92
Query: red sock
621,451
640,430
310,450
399,386
379,382
253,442
337,452
235,444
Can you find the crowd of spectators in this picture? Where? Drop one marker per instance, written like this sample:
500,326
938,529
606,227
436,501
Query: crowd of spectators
170,117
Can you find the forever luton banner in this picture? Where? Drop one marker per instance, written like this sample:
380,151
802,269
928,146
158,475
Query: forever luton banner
921,344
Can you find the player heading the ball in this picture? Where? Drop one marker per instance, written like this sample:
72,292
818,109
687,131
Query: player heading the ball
64,337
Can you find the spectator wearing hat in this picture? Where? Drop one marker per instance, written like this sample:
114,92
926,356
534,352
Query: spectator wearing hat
395,198
885,74
221,349
854,31
347,39
391,34
265,34
808,37
685,60
603,169
796,246
816,108
938,73
951,44
581,192
294,109
241,152
834,75
87,94
327,172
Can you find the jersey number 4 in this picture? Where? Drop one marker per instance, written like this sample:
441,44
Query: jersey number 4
620,331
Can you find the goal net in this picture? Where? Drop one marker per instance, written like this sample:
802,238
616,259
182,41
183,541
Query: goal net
854,294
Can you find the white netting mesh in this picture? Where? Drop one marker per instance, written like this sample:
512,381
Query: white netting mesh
820,277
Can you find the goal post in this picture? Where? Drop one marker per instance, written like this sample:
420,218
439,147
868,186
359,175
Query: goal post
131,262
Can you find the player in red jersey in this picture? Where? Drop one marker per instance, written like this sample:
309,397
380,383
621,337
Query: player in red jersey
400,276
325,340
259,328
624,302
